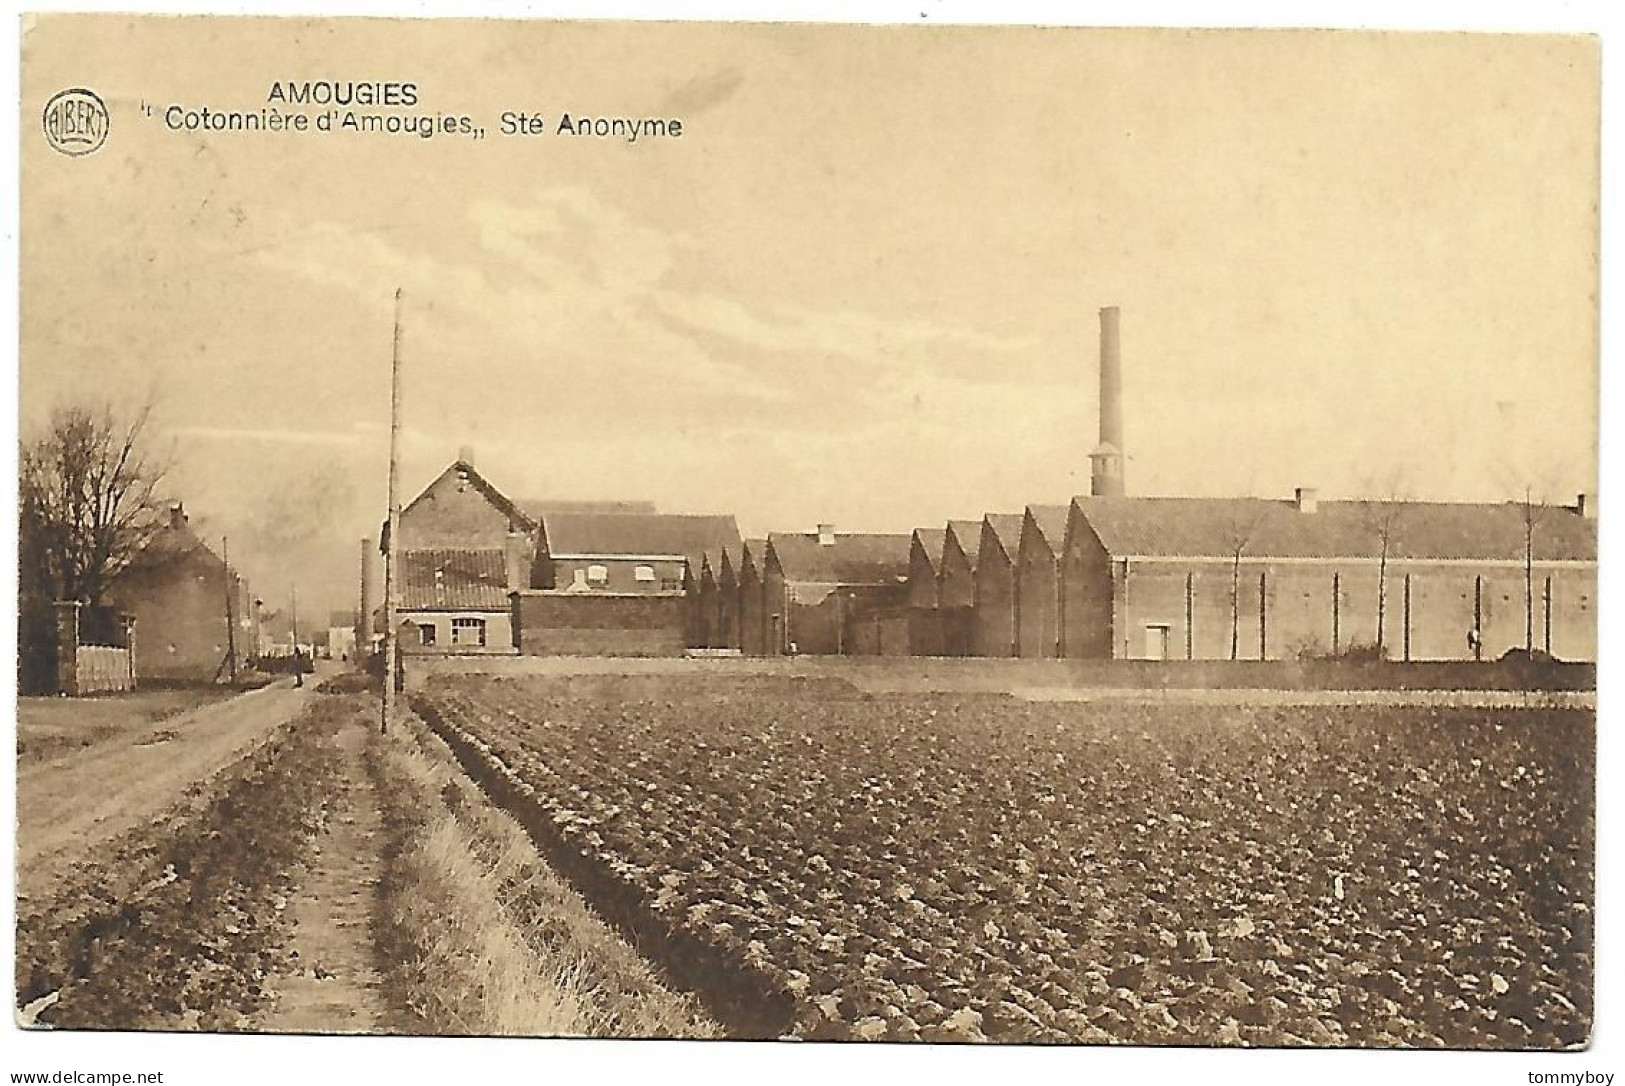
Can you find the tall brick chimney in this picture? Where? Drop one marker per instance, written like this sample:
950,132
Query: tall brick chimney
1106,462
516,560
363,622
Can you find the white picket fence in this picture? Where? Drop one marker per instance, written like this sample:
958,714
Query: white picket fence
104,669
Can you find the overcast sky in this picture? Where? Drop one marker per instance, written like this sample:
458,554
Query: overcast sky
861,288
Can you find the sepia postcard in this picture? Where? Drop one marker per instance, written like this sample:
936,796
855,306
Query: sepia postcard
912,535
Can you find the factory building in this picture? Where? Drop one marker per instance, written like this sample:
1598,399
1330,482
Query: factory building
995,580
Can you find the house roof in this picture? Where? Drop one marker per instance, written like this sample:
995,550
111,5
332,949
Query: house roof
536,509
463,579
931,542
1267,528
527,513
1050,520
854,558
1006,530
968,534
637,534
480,483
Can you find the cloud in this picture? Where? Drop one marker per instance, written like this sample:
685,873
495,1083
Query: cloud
278,437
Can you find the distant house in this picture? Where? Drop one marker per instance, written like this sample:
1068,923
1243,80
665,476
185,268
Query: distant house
833,590
957,587
177,591
1252,578
1038,581
995,581
341,634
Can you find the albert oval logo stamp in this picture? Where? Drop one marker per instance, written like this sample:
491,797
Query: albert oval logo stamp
76,121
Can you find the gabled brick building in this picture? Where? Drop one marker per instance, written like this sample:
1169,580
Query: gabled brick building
177,590
1038,581
1250,578
957,586
758,630
831,591
995,580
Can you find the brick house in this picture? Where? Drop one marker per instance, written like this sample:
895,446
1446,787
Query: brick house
176,590
1038,581
833,592
465,546
1249,578
456,599
995,581
626,552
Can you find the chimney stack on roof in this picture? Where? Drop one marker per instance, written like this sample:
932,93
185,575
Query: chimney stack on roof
516,561
826,535
1308,499
465,455
1106,462
177,515
1586,506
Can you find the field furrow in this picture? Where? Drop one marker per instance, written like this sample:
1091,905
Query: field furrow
964,867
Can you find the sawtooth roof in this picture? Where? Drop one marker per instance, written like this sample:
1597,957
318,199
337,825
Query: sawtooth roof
1050,520
1268,528
968,534
1007,531
932,541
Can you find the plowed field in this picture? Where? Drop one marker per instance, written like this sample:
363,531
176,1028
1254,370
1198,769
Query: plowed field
964,867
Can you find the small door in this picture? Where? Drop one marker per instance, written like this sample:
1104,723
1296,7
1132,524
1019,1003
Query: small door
1156,642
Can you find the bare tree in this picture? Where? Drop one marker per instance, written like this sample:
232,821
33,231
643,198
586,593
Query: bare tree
1246,516
1384,518
86,490
1532,511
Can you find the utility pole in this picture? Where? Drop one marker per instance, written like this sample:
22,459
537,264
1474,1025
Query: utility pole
231,618
393,549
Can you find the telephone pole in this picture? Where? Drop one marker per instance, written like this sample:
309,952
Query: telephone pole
392,551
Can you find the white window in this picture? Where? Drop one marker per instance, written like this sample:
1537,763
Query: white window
468,632
597,574
644,573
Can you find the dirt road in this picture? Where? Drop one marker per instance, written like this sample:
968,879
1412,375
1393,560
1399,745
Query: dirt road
68,805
